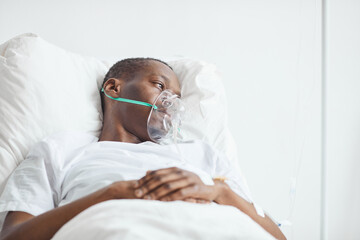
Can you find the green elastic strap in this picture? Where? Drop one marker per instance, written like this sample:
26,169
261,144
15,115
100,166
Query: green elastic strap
129,100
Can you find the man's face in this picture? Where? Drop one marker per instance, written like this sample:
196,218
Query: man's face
146,87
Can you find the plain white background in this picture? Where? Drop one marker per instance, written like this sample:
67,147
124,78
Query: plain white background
269,53
343,120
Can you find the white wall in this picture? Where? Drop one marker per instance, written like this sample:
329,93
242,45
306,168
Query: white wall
343,120
268,52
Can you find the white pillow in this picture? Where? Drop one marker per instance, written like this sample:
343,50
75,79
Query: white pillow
45,89
204,97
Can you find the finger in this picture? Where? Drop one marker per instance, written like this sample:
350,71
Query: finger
150,174
156,182
181,194
196,200
202,201
168,187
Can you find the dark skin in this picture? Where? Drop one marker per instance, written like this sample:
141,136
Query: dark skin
125,122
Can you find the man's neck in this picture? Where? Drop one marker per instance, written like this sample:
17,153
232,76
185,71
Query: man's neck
114,131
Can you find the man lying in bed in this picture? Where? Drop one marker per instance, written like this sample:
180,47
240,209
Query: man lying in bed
65,174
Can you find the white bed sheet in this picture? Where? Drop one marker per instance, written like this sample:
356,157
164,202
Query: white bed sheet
151,219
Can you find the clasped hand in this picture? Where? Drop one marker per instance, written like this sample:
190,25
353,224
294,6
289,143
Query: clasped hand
170,184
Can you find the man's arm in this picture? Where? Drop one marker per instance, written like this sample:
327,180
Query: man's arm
227,197
20,225
170,184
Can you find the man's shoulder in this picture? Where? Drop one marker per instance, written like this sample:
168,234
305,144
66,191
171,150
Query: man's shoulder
66,141
71,136
56,149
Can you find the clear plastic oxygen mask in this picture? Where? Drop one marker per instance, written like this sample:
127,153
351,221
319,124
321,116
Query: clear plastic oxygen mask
164,120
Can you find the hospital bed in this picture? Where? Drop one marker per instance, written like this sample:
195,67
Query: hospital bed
40,85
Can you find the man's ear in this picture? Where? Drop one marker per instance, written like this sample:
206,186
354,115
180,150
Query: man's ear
113,86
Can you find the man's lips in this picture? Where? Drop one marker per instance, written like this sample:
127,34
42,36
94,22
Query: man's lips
163,114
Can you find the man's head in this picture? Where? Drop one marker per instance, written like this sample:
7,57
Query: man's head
141,79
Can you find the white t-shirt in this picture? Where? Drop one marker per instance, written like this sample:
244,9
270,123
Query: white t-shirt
71,165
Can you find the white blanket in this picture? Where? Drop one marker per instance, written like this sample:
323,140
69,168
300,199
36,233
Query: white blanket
151,219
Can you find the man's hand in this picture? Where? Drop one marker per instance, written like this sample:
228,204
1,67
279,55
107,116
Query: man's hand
196,200
123,189
170,184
